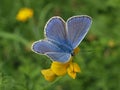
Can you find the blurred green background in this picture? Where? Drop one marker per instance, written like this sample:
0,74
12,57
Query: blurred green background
98,58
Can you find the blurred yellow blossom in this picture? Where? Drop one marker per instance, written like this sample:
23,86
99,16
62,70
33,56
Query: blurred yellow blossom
60,69
111,43
24,14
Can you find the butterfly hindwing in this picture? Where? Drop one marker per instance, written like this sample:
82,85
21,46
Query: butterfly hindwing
51,50
59,57
44,46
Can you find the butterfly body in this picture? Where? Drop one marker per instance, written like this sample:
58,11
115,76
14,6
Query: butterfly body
66,48
62,37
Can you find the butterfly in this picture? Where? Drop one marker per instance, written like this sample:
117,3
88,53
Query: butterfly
61,38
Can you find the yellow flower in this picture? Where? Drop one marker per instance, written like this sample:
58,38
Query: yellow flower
60,69
111,43
24,14
49,74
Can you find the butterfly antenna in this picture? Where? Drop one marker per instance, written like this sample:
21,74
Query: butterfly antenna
88,51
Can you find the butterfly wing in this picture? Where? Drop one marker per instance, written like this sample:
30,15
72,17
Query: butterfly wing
44,46
59,57
77,27
51,50
55,29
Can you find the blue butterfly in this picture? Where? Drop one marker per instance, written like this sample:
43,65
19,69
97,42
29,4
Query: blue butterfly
62,37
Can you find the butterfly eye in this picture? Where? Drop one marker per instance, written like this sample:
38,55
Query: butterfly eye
73,53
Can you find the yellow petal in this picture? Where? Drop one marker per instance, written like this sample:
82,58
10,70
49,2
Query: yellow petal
71,66
72,69
59,68
71,73
76,50
76,67
49,74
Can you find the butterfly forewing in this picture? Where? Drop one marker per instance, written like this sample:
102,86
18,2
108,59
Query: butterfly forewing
55,30
77,28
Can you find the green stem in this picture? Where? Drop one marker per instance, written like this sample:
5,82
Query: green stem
13,37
